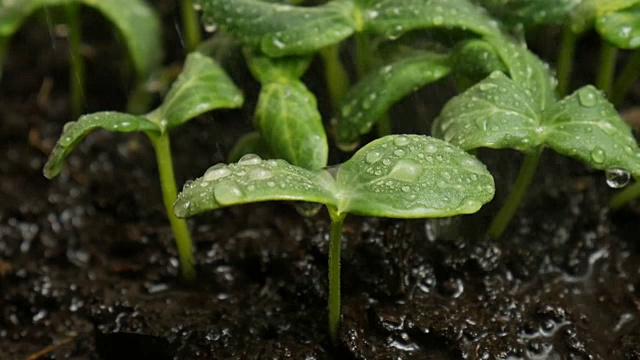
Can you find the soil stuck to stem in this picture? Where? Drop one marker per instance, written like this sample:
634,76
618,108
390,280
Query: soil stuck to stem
88,268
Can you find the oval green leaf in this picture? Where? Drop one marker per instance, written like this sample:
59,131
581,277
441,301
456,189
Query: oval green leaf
75,131
288,120
279,29
202,86
621,28
252,180
494,113
371,98
266,69
392,18
586,126
474,60
413,176
531,12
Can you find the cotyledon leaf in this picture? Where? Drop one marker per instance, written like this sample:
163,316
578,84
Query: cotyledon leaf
393,18
135,20
252,179
494,113
280,29
202,86
368,100
288,120
266,69
412,176
474,60
75,131
531,12
621,28
586,126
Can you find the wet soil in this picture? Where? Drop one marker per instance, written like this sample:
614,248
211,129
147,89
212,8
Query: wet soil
88,267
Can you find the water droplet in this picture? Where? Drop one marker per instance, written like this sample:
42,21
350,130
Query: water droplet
67,127
182,207
271,184
250,159
486,86
405,189
598,155
278,43
617,178
398,152
586,97
211,27
372,157
260,173
406,170
401,141
217,171
227,193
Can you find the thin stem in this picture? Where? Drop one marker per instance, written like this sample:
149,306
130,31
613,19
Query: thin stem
565,60
335,75
625,196
179,227
76,70
627,78
335,243
604,78
508,210
190,25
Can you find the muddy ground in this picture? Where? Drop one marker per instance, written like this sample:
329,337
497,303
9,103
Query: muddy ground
88,267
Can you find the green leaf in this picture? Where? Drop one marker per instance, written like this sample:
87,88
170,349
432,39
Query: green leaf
250,143
252,180
135,20
371,98
267,70
621,28
202,86
279,30
75,131
474,60
406,176
413,176
531,12
393,18
527,70
585,14
288,120
586,126
495,113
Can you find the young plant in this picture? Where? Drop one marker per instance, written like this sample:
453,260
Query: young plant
399,176
134,19
521,112
201,87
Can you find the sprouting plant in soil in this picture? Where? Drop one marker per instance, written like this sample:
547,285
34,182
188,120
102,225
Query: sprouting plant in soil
201,87
520,111
135,20
399,176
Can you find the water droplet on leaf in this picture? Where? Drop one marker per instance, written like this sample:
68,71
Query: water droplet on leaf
250,159
401,141
406,170
617,178
260,173
372,157
598,155
217,171
227,193
586,97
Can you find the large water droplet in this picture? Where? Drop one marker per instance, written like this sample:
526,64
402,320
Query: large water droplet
259,173
217,171
227,193
372,157
250,159
586,97
598,155
406,170
182,207
617,178
401,141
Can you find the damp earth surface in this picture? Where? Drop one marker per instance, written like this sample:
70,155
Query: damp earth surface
88,267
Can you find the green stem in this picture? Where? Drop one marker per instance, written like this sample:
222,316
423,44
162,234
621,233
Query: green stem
508,210
565,60
607,67
179,227
190,25
627,78
629,193
76,71
335,243
335,75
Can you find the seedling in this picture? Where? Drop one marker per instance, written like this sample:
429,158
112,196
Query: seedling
399,176
135,20
202,86
521,112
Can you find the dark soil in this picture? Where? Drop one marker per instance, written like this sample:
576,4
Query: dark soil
88,268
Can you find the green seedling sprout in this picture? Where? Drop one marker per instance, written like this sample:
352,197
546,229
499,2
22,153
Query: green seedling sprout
201,87
520,112
398,176
278,30
137,23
